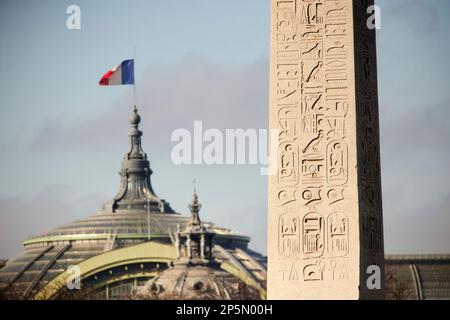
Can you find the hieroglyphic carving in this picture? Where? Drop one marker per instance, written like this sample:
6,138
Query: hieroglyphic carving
337,234
319,270
290,271
312,102
313,169
314,271
312,196
316,196
289,235
288,164
337,165
313,235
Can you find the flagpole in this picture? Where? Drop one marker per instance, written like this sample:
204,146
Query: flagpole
134,93
135,106
134,85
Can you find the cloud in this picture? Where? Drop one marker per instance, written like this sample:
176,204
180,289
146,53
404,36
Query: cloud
170,98
416,129
415,174
414,146
25,216
421,229
420,16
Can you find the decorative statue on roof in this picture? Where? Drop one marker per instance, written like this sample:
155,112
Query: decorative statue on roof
195,274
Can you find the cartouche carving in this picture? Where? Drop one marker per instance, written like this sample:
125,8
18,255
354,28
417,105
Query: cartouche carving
289,233
326,190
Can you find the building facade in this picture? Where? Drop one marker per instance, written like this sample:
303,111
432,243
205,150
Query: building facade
418,277
122,246
131,243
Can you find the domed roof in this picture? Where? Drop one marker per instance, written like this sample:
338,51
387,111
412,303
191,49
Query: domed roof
136,215
195,274
136,211
197,282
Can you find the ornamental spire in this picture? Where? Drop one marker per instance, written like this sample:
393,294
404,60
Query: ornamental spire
135,135
194,244
136,192
195,207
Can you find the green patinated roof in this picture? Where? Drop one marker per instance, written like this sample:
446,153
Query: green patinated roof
418,276
121,223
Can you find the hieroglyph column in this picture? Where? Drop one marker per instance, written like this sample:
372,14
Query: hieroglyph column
325,210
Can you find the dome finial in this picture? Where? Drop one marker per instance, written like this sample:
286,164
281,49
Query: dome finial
195,207
135,118
136,192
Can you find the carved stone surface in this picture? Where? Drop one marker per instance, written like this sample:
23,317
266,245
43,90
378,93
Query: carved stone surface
325,210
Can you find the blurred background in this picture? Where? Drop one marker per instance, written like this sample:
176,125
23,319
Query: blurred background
62,136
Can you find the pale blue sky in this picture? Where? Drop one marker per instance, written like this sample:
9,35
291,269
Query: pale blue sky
62,136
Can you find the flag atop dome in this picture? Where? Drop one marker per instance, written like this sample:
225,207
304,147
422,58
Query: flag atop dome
121,74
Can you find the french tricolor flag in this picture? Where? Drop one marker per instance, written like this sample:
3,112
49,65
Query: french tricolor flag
122,74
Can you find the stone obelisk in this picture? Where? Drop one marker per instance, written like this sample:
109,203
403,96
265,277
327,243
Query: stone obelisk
325,210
